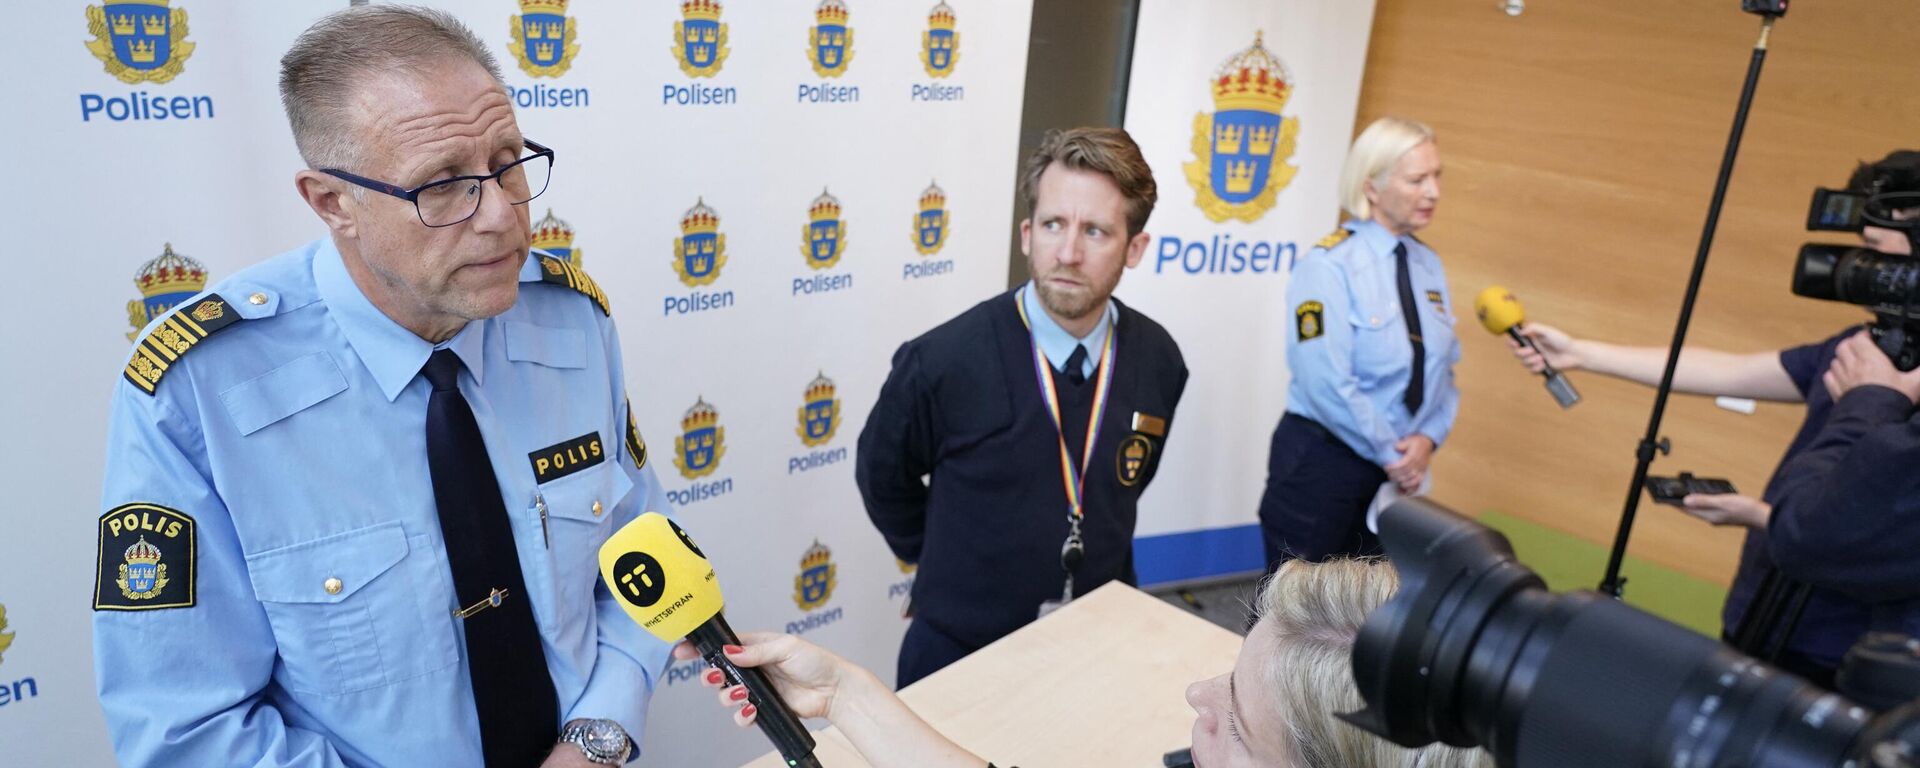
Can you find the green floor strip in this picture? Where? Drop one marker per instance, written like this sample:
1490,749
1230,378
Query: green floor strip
1568,562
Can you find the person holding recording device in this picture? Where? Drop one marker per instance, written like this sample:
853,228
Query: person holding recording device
1831,621
1276,707
1371,352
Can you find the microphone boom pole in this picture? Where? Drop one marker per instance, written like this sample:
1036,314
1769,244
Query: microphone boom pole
1611,583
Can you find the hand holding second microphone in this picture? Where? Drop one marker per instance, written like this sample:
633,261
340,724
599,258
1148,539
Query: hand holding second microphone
1542,347
1500,313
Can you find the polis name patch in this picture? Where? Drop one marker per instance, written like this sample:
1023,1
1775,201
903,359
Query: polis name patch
146,559
561,459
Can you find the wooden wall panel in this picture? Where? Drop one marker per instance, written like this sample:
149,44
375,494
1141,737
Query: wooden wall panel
1581,141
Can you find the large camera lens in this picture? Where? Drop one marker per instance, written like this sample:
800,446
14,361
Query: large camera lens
1474,651
1857,276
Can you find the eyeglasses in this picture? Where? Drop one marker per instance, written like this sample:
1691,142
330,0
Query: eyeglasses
447,202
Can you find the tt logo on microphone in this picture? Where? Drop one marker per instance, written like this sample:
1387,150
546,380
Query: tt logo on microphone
642,581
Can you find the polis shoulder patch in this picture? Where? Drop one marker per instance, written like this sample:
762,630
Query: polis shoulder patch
169,340
558,272
1308,320
1334,238
146,559
636,445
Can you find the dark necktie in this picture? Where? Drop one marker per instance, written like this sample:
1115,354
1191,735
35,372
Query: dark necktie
1077,364
1410,311
512,690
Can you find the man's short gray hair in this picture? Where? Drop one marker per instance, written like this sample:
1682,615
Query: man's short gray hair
335,57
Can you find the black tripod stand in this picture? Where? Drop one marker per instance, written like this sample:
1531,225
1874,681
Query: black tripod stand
1769,11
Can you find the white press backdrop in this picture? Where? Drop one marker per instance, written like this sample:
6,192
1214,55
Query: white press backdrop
105,173
1225,239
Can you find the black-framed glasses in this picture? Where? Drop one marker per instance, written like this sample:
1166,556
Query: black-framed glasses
447,202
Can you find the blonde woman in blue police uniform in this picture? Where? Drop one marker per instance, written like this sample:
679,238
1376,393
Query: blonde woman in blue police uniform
354,494
1371,351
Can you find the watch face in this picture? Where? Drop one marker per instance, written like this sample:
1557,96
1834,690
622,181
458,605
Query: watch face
606,738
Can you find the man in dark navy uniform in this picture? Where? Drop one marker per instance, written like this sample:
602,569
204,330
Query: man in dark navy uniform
1010,445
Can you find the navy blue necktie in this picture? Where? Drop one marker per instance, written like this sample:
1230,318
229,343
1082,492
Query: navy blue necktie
512,690
1077,365
1410,311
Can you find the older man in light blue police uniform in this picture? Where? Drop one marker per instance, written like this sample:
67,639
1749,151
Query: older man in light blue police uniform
292,571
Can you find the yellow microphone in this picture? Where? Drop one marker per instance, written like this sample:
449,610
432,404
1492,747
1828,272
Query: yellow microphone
1499,313
666,585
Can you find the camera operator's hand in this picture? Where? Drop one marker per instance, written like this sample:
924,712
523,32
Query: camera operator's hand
1728,509
1859,363
1556,348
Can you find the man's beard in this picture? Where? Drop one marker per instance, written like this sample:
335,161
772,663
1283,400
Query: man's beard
1073,304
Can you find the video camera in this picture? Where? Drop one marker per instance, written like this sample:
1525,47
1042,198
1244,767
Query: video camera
1885,196
1474,651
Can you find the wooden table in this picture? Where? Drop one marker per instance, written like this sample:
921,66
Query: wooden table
1099,682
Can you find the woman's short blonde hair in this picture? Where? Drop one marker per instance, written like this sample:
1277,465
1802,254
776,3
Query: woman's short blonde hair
1374,153
1316,611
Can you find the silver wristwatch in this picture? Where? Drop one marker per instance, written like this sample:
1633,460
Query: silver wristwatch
602,741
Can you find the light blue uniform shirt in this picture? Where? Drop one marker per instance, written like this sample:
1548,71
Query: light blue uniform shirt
1056,342
322,630
1351,361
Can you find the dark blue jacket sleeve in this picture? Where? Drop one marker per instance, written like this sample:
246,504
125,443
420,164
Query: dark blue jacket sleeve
1847,517
896,451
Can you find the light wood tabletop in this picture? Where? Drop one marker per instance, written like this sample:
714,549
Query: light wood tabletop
1099,682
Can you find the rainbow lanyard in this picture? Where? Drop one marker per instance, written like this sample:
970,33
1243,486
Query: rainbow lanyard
1072,476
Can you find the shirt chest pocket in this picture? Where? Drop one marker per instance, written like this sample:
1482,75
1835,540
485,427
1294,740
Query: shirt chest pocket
1380,344
579,516
355,610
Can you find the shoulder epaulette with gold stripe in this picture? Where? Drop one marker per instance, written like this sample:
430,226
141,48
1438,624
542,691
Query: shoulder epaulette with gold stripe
170,339
1337,237
559,272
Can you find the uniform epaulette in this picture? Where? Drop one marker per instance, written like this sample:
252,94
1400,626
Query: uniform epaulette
1337,237
169,340
557,271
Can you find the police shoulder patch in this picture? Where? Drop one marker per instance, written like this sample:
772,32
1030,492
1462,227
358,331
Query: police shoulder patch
559,272
168,341
146,559
1334,238
1308,320
636,445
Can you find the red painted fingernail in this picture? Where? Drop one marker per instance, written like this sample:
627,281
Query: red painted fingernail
713,676
738,694
748,711
733,650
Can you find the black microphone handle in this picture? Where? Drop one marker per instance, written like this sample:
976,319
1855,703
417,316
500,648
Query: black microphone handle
1547,369
775,719
1557,384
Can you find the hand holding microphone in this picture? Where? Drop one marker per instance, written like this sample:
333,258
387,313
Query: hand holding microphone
667,586
1501,313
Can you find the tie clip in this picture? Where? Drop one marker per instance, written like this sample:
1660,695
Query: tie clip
492,600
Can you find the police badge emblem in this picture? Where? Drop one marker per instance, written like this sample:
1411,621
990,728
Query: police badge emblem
930,223
819,413
1240,151
1308,319
139,41
146,559
1135,453
814,586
